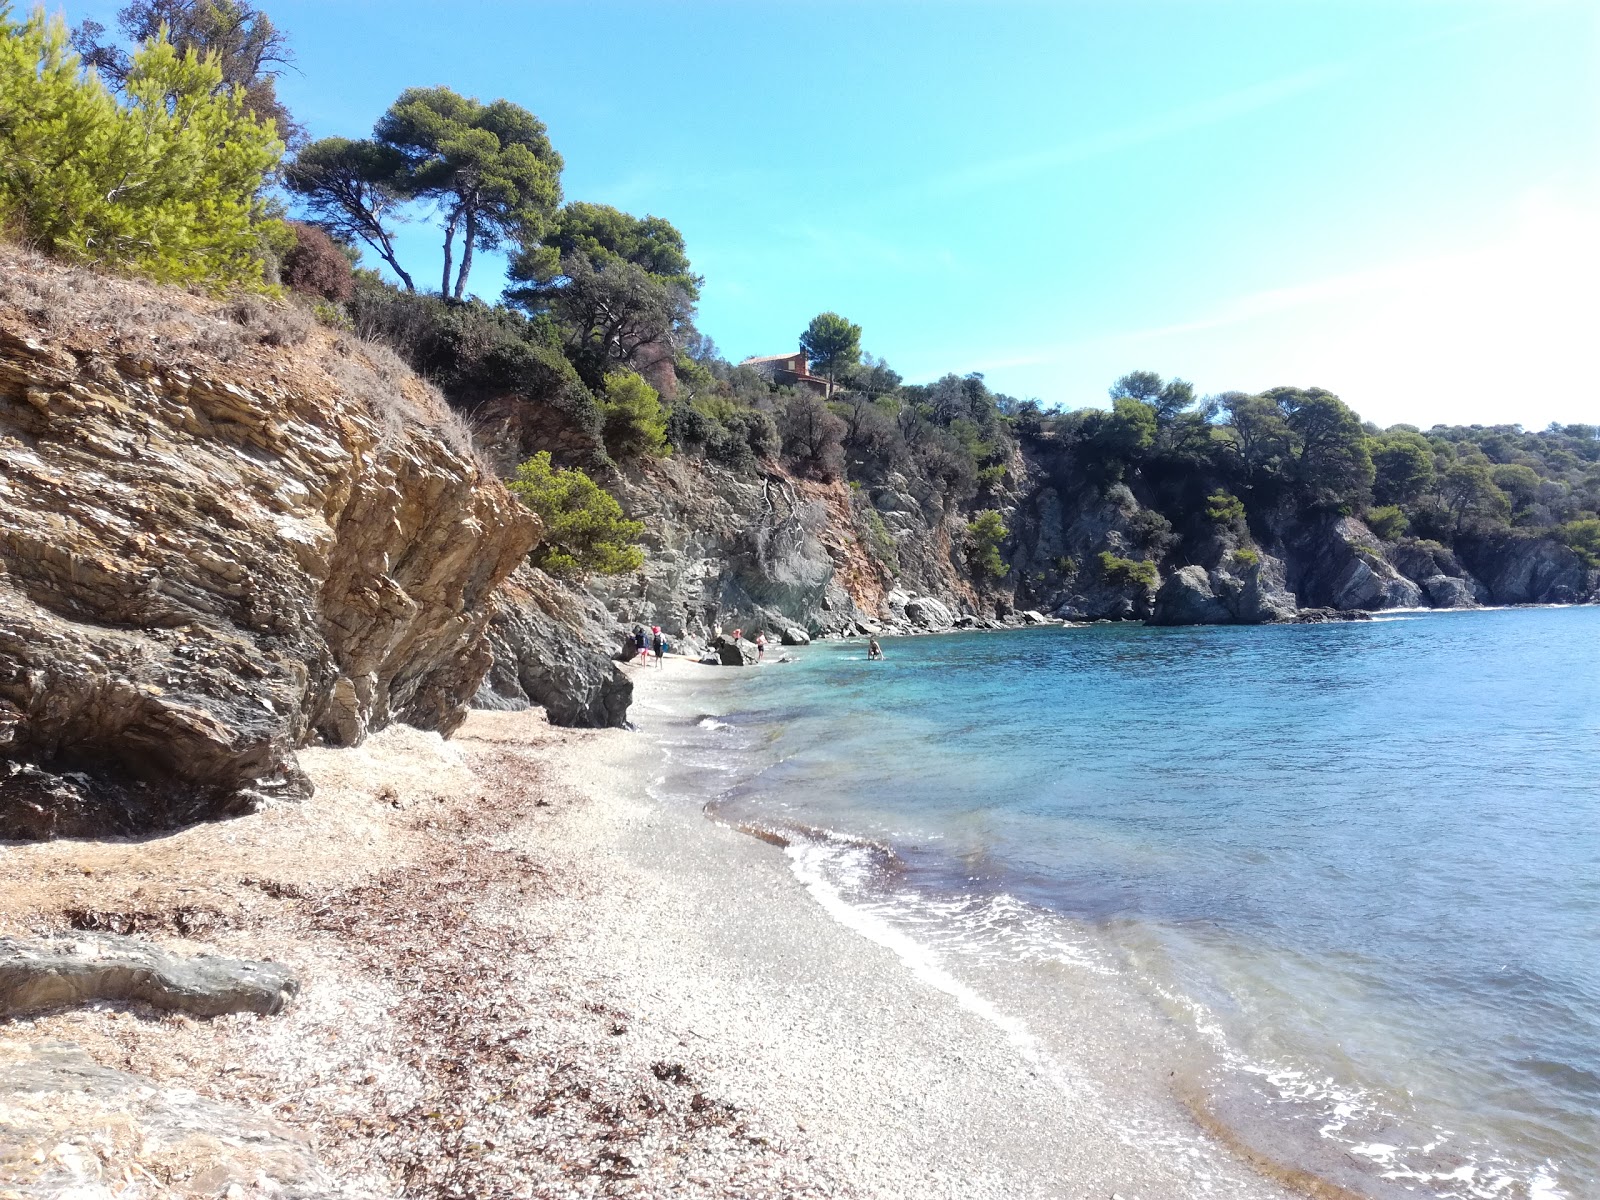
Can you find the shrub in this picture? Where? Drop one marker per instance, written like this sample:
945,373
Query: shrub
1152,531
315,266
168,183
1066,566
1127,571
1225,509
1244,558
584,528
990,478
880,542
812,436
634,422
985,532
1387,521
1583,536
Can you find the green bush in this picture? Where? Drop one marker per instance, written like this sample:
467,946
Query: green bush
584,529
1127,571
1387,521
1066,566
985,532
1225,509
634,422
1584,538
1244,557
168,183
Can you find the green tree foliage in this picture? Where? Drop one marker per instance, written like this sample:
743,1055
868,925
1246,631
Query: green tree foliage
1470,495
247,47
489,168
1116,440
1226,510
1402,463
602,235
832,344
1520,483
619,287
1125,572
355,191
1331,463
985,534
167,182
1584,538
635,423
584,528
1388,521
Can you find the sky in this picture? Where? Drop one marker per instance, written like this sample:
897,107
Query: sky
1397,201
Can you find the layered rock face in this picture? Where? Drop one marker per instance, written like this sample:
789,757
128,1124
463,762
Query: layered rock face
216,547
555,647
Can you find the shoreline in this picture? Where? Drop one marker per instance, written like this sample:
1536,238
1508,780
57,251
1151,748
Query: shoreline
524,977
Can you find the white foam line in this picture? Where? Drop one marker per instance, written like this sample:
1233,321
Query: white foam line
806,861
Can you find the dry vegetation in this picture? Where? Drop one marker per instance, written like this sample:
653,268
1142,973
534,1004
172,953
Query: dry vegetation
245,337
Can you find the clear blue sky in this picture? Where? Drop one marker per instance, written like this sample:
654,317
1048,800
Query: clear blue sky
1399,201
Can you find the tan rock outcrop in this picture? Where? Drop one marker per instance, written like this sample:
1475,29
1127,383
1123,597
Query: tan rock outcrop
224,533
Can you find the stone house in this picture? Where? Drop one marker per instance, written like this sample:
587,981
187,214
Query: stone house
788,370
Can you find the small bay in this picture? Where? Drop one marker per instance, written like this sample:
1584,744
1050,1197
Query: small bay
1353,868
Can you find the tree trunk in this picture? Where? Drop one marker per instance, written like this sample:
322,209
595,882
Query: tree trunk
387,250
470,235
449,253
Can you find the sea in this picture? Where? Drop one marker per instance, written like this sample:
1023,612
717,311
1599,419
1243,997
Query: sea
1352,870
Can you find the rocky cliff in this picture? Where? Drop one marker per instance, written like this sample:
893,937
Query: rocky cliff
224,533
773,552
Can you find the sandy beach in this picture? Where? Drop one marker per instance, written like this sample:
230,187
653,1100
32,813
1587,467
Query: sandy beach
525,976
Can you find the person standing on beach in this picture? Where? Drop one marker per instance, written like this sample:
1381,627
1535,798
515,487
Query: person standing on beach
761,646
656,643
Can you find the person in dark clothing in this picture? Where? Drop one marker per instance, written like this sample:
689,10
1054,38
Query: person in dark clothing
656,643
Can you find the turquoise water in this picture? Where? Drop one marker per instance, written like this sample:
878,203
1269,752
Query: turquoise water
1356,866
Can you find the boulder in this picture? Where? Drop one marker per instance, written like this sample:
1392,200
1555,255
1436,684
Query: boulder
37,976
793,635
732,651
554,647
927,613
1448,591
1032,616
1187,597
75,1128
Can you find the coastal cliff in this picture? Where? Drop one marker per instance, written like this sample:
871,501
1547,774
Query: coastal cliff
225,533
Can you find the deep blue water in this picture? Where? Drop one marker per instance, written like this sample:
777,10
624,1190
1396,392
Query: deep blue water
1362,860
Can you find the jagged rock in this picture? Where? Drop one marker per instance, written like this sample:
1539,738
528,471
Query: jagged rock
927,613
75,1128
1525,570
37,976
793,635
734,652
554,647
1032,617
206,564
1319,616
1188,598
